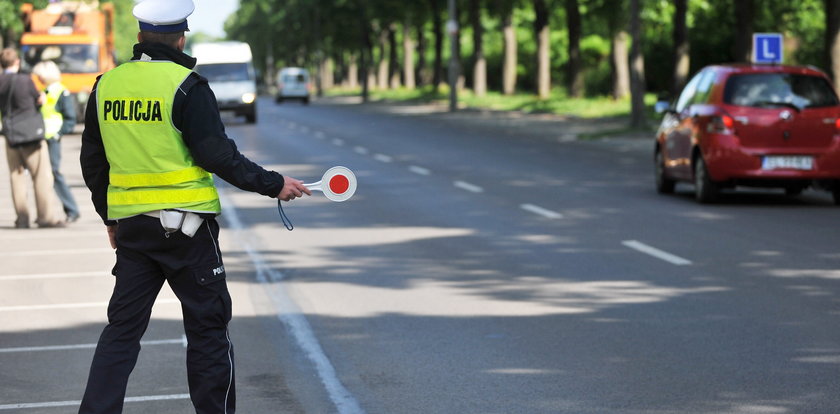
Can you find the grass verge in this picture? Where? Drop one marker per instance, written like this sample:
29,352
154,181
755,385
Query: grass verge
558,103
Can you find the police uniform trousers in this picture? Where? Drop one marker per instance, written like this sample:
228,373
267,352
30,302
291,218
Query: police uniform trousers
146,258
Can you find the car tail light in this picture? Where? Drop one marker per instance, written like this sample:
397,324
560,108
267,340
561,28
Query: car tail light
721,124
837,124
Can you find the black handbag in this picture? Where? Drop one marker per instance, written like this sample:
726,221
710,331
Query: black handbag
22,129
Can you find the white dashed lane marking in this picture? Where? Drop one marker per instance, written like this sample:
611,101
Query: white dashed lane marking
541,211
468,187
659,254
383,158
419,170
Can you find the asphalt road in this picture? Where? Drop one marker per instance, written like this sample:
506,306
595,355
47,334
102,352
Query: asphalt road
487,264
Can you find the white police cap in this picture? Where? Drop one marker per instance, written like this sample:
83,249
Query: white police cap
163,16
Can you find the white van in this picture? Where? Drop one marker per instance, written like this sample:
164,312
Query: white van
228,68
293,83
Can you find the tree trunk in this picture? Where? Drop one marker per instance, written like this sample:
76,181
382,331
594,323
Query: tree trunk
621,69
270,71
421,72
681,48
408,56
575,80
510,63
437,26
353,72
480,68
393,64
832,40
382,73
327,78
637,68
744,16
366,49
541,30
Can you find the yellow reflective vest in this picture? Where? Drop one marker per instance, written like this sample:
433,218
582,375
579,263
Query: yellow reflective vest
150,166
52,118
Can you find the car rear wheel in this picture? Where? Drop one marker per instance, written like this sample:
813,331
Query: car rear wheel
705,190
664,185
835,194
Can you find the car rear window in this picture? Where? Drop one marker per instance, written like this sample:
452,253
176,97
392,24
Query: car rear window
224,72
300,78
779,89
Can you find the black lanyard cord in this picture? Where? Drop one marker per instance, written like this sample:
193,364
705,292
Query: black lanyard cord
286,221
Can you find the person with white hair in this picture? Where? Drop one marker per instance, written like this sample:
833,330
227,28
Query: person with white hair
59,119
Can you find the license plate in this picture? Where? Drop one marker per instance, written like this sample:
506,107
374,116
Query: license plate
788,162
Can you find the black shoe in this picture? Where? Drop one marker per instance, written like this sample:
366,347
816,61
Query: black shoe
21,225
72,218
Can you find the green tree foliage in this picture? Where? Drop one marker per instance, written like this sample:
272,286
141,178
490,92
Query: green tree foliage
126,28
11,25
304,32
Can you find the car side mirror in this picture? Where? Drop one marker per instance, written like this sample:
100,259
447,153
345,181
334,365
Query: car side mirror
663,107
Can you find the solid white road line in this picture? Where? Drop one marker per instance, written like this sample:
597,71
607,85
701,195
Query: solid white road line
53,276
541,211
293,318
77,403
382,158
659,254
469,187
182,341
56,251
70,305
419,170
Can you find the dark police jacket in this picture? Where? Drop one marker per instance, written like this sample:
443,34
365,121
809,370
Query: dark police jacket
196,114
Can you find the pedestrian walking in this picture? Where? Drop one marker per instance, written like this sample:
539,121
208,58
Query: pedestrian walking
59,114
153,135
26,150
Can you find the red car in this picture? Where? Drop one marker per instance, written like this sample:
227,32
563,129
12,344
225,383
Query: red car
751,125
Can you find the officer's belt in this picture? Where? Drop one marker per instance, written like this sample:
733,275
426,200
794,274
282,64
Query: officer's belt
188,222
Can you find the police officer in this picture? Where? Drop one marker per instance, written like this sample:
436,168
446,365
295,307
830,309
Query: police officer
152,137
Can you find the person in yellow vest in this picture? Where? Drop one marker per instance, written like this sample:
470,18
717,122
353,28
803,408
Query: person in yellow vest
59,114
152,138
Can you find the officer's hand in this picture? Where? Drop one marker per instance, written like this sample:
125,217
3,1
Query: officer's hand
112,235
292,189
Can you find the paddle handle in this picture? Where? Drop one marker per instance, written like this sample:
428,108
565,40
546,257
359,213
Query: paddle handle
314,186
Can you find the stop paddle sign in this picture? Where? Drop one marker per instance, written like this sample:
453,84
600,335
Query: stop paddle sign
338,184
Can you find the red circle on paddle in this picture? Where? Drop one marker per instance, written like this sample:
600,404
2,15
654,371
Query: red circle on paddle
339,184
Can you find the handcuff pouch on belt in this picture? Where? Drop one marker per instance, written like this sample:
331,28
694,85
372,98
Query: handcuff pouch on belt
174,220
